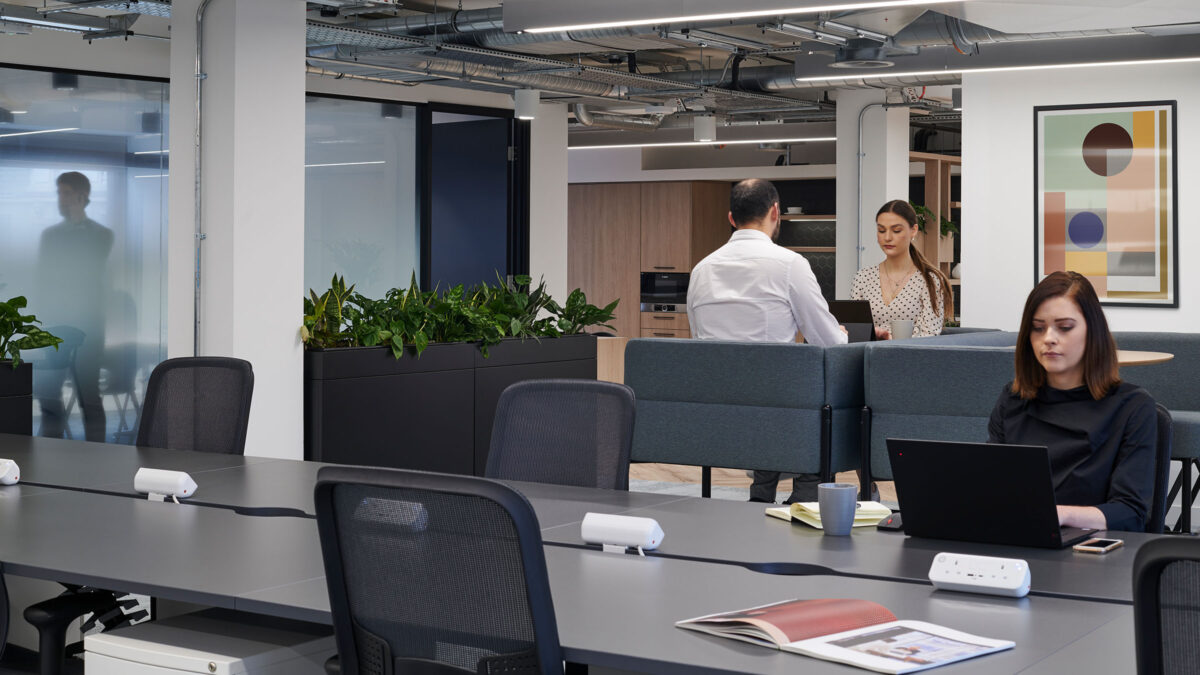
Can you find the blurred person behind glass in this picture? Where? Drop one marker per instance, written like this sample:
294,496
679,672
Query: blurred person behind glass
71,282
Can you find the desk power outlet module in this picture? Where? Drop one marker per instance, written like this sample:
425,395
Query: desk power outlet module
980,574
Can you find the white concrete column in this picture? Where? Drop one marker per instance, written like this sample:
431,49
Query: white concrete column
253,202
548,199
883,172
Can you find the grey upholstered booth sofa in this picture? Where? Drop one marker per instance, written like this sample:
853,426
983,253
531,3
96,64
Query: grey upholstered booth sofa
928,388
792,408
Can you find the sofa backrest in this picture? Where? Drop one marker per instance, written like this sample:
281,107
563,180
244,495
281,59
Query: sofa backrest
1174,383
943,392
731,404
977,338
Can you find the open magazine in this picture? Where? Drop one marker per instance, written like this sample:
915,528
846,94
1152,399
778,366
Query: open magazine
857,632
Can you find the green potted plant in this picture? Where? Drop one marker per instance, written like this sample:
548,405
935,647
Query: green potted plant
18,332
946,231
411,380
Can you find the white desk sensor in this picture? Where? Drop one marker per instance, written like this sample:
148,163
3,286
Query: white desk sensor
159,484
616,533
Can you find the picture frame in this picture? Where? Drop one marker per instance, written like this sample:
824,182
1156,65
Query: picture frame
1106,200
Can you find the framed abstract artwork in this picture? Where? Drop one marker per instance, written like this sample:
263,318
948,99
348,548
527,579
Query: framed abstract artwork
1105,199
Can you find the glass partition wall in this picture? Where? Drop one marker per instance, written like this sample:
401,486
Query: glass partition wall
83,166
360,197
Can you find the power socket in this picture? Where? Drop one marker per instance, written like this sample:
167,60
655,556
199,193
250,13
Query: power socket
980,574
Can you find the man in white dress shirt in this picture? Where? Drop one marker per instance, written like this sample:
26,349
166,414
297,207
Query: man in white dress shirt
753,290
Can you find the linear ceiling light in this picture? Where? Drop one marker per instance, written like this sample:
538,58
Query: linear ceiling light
779,11
311,166
152,152
996,69
694,143
43,131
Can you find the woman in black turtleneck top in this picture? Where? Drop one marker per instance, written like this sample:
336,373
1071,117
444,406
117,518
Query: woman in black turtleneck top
1101,433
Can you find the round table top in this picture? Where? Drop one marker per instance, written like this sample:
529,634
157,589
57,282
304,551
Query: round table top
1126,357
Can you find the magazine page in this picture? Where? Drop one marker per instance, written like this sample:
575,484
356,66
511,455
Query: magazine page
790,621
899,646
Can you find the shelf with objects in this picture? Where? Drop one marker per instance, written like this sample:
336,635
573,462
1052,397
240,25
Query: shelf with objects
938,194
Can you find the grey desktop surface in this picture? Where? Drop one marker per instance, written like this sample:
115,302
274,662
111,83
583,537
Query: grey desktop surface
740,533
83,465
619,611
1107,650
176,551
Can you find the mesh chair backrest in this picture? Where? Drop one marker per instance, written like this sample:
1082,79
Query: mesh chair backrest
434,568
567,432
1166,606
198,403
1179,612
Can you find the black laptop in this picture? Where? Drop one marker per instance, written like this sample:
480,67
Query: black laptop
855,315
991,493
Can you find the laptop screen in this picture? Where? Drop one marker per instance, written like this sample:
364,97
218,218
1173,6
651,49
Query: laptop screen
855,315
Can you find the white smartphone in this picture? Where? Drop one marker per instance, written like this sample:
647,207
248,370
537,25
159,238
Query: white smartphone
1096,545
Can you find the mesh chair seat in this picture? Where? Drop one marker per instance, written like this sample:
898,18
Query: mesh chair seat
566,432
198,403
430,573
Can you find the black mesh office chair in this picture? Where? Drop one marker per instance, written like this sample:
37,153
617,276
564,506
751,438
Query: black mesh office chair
433,574
1166,606
567,432
192,403
198,403
1156,518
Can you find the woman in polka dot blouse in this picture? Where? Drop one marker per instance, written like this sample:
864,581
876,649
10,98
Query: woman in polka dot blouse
904,285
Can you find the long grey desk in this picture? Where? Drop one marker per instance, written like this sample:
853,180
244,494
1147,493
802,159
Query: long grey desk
701,529
616,611
619,612
739,533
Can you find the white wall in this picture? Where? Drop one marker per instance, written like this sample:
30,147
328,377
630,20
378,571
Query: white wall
548,199
997,184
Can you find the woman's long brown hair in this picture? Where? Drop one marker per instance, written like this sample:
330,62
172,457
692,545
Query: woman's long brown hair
927,271
1100,372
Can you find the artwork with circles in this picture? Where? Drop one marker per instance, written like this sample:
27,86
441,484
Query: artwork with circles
1105,199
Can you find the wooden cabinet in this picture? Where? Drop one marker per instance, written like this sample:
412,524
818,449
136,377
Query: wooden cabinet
664,333
661,320
666,227
615,231
603,238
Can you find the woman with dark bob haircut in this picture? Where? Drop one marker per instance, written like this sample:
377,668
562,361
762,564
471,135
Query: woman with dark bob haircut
1101,433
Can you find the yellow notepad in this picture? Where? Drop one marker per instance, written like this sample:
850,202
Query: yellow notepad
809,513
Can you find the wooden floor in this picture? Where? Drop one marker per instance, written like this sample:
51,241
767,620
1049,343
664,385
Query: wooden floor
678,473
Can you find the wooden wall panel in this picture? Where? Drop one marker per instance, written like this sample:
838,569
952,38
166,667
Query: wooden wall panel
603,237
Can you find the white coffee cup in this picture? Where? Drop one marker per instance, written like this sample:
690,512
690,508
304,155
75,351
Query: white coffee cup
902,329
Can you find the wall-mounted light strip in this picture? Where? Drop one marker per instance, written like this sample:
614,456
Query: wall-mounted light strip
701,143
43,131
997,69
153,175
312,166
152,152
781,11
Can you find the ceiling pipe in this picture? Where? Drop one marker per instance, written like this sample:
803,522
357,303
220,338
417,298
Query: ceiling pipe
466,71
609,121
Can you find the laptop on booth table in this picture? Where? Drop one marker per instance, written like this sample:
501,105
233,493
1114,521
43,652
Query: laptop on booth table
855,315
984,492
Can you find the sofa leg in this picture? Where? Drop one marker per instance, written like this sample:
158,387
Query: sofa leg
706,481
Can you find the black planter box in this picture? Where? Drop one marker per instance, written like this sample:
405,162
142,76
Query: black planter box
433,413
16,398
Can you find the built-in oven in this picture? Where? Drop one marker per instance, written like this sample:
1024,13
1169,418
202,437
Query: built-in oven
664,291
